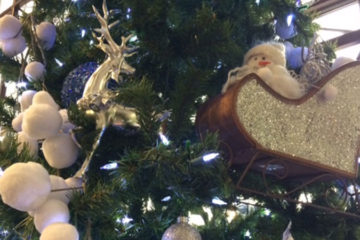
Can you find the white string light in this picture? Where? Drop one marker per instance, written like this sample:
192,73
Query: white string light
209,156
109,166
164,139
166,199
83,32
289,19
58,62
218,201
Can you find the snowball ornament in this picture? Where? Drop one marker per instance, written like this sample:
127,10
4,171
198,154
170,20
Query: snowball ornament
60,231
46,32
67,125
25,186
34,71
60,151
52,211
14,46
41,121
26,99
31,144
10,27
75,183
17,122
43,97
58,183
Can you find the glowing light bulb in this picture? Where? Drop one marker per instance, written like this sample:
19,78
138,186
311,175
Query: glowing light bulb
58,62
210,156
109,166
218,201
166,199
83,32
248,234
164,139
289,19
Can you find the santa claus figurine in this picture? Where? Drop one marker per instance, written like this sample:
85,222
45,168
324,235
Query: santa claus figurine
268,61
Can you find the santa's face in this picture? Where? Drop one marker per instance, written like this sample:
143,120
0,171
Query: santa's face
258,61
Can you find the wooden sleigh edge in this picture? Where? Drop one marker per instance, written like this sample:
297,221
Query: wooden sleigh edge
232,133
310,93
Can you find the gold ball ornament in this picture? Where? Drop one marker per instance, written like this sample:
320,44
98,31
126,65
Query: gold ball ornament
181,230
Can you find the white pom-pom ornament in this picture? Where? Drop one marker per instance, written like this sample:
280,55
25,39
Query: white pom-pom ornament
46,32
31,144
14,46
75,183
58,183
67,125
41,121
34,71
26,99
60,151
17,122
60,231
10,27
25,186
52,211
43,97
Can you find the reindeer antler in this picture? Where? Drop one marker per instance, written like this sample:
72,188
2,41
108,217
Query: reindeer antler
115,62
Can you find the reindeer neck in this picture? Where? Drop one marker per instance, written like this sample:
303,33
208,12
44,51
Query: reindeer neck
98,80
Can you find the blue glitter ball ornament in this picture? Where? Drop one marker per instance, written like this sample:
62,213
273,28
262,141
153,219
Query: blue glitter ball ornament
74,83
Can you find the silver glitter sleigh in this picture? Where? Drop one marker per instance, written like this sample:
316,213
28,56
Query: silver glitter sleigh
303,138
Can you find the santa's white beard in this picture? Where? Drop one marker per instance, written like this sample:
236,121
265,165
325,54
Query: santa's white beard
278,78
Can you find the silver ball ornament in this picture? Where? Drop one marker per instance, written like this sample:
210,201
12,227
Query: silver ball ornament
181,230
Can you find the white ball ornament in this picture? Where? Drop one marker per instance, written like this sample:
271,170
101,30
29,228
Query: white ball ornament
31,144
60,231
25,186
14,46
43,97
52,211
34,71
10,27
41,121
75,183
46,32
58,183
60,151
67,125
17,122
26,99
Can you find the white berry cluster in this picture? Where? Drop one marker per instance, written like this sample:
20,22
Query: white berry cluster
28,186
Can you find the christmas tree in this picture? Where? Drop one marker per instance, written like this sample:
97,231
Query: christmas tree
136,162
